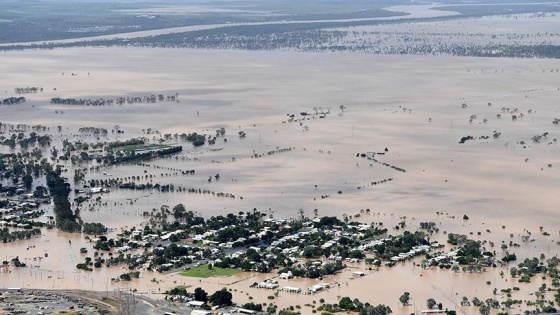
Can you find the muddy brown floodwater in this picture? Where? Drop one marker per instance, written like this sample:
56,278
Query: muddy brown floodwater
409,105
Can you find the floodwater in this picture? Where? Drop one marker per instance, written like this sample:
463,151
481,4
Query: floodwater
409,105
410,11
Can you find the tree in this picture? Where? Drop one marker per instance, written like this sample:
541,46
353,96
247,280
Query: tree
358,305
84,156
252,306
484,309
404,298
513,271
59,189
27,181
309,251
200,295
431,303
509,257
253,255
54,152
346,304
376,310
94,228
179,211
125,277
271,309
301,213
221,297
476,301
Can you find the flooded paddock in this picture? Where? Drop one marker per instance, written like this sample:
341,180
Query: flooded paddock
410,105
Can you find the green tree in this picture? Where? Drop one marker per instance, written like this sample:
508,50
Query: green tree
59,189
253,255
27,181
513,271
376,310
271,309
200,295
346,304
94,228
484,309
125,277
404,298
309,251
221,297
476,301
252,306
179,211
431,303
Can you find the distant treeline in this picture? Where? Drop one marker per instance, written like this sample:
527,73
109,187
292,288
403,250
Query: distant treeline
59,190
12,100
26,142
33,89
145,156
27,27
119,100
7,236
93,130
93,18
116,144
330,36
304,41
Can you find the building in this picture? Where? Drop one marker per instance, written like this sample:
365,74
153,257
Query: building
292,289
196,304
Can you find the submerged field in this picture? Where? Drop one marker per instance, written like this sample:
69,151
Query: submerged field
410,105
413,110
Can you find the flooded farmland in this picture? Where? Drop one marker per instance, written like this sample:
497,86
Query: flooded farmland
409,109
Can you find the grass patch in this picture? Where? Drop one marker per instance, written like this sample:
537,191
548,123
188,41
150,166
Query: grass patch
205,272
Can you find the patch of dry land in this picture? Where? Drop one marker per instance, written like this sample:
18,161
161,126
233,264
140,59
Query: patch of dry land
413,109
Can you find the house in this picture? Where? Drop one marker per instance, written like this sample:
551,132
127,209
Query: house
292,289
267,285
196,303
95,190
317,288
14,290
286,275
122,249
